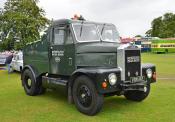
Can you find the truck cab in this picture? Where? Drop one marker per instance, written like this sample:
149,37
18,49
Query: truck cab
88,59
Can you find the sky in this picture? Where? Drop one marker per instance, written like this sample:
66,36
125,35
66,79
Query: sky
131,17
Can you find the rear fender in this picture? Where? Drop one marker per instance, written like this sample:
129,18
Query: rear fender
32,69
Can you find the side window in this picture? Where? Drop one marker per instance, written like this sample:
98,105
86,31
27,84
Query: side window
58,36
69,39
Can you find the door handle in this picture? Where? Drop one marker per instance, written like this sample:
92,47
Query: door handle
50,52
70,61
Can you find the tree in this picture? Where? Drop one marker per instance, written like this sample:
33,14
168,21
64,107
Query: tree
22,20
156,26
148,33
163,26
138,36
1,45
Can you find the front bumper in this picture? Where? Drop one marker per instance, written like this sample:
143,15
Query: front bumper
136,86
122,86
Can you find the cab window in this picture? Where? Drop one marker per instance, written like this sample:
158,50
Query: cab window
69,39
58,36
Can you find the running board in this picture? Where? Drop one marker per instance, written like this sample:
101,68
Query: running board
48,81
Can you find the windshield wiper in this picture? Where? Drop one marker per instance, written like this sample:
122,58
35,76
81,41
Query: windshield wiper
102,31
81,29
103,28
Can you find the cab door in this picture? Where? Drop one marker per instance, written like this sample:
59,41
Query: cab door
69,51
56,50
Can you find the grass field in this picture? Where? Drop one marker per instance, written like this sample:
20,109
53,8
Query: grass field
159,106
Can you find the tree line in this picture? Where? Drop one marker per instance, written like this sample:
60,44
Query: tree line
163,26
21,22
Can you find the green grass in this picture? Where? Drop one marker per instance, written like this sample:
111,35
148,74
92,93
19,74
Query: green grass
53,106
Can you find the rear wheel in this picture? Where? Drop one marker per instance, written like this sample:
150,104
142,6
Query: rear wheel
85,96
138,95
32,86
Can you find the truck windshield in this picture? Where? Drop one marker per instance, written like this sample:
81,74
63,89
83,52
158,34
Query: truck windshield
109,33
86,32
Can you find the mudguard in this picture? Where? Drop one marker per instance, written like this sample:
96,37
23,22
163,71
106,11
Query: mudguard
98,76
32,69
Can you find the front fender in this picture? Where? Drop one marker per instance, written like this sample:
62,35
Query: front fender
98,76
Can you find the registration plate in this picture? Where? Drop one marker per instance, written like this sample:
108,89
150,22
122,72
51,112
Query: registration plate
137,79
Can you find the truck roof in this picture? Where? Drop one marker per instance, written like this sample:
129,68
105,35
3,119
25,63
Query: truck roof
69,21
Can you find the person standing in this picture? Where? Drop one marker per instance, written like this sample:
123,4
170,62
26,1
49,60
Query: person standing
8,61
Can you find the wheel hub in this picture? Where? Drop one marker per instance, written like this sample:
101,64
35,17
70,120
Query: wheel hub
84,96
29,83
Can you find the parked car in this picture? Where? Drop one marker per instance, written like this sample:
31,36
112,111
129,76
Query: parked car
3,57
17,62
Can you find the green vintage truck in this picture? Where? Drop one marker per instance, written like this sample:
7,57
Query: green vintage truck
88,60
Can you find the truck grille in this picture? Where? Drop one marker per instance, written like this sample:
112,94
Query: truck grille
132,64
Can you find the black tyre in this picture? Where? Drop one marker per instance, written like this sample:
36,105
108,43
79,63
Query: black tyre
32,86
86,97
138,95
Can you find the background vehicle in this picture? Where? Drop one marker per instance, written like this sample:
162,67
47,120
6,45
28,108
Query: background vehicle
144,45
138,44
163,46
88,59
3,57
17,62
127,40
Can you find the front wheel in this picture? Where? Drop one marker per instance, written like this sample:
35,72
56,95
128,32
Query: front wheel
86,97
138,95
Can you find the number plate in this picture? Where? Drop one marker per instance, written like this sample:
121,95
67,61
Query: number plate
137,79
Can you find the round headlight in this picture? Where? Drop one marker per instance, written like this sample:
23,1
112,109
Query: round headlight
149,73
112,79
